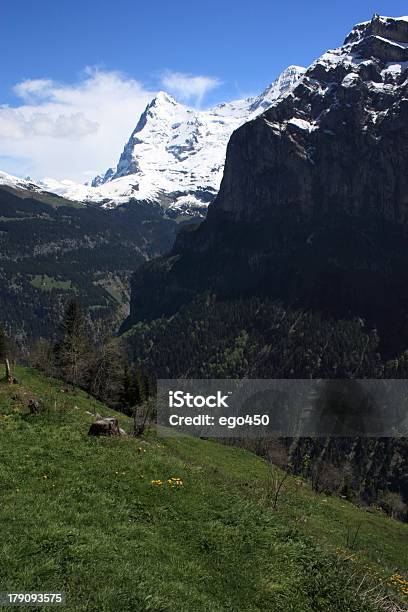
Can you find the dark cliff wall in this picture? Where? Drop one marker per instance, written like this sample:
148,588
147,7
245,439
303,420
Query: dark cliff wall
313,206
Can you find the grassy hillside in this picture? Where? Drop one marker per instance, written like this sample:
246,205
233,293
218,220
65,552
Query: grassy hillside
82,515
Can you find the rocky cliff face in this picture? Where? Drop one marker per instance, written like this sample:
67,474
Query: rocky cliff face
336,144
312,208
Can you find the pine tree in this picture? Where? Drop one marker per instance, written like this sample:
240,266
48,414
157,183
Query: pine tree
125,395
73,349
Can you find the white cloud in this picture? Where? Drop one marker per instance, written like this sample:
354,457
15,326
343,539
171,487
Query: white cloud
14,124
70,131
30,89
187,87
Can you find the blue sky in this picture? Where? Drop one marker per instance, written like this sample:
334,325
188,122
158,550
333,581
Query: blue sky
123,51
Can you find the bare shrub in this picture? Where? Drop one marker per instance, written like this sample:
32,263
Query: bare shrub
276,456
141,417
394,505
327,478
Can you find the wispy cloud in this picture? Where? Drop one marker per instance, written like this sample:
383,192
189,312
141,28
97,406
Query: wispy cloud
187,87
34,89
70,131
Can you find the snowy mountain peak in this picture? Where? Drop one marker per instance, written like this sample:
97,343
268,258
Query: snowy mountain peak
175,155
287,78
161,106
103,178
9,180
280,86
163,97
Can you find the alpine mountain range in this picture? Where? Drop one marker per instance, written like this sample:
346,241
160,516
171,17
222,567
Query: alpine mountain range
174,156
306,190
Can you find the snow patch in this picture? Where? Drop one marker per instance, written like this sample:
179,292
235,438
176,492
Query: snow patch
303,124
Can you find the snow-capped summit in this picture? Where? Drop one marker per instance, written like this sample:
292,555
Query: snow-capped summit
27,184
281,85
175,155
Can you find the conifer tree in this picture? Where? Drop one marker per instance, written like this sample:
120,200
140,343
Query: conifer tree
73,348
126,393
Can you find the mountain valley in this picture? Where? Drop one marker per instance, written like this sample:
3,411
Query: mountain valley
61,239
